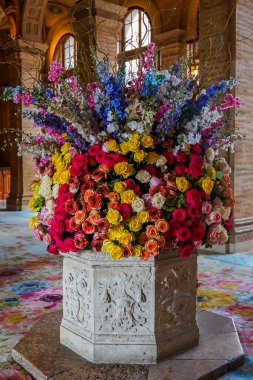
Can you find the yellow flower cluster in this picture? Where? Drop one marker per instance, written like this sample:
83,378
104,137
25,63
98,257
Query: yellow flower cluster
136,145
124,169
61,161
35,188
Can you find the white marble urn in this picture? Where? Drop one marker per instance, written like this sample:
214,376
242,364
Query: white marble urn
129,311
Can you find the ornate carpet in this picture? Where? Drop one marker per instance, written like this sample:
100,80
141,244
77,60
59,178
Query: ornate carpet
30,286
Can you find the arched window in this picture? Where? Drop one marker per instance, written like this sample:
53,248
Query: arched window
136,35
66,52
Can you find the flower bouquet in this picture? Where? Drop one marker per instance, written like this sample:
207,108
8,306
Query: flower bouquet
129,168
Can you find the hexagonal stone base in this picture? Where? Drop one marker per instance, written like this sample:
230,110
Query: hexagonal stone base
219,351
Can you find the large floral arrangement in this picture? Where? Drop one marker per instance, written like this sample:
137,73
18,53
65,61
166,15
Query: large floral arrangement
129,168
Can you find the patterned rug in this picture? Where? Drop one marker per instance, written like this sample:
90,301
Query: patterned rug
30,286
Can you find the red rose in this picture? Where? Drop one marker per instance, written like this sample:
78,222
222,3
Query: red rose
193,197
52,249
179,215
63,189
132,186
196,165
97,175
80,240
80,160
124,209
179,170
61,200
57,226
197,231
97,244
60,212
196,149
174,227
169,157
77,171
88,185
183,234
154,213
193,210
181,157
186,250
94,149
153,171
100,156
70,245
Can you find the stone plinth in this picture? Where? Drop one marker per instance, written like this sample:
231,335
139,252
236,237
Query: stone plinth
219,351
129,311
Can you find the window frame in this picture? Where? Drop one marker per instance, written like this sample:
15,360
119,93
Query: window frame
60,51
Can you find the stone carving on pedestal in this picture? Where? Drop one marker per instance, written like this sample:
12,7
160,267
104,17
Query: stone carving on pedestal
128,311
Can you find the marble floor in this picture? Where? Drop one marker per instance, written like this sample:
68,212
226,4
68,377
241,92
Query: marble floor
30,287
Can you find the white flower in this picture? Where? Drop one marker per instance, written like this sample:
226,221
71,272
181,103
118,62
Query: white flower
158,200
225,212
45,187
161,161
209,155
50,206
223,166
138,205
55,190
143,176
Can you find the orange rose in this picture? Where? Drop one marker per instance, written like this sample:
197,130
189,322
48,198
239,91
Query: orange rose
113,196
87,194
80,216
143,238
104,168
145,255
94,217
161,241
151,232
161,225
152,246
112,205
85,177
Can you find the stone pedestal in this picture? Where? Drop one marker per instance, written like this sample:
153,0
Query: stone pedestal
129,311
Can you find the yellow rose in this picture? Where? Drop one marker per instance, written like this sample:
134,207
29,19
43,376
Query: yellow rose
135,225
147,141
30,204
56,177
182,184
32,221
207,185
126,238
117,252
65,148
124,148
55,157
119,187
112,146
115,232
67,158
58,162
64,177
128,196
135,137
121,168
143,216
130,171
35,187
61,166
152,157
113,216
139,155
137,250
133,145
211,172
107,246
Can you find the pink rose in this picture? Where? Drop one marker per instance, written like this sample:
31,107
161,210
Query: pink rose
94,149
155,181
214,217
80,240
47,239
206,208
213,234
37,234
183,234
147,200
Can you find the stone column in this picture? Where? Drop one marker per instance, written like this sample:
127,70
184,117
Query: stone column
98,25
171,45
24,62
226,47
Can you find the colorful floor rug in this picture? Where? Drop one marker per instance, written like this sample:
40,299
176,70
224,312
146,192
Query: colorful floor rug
30,286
